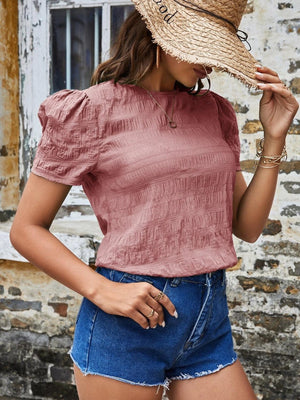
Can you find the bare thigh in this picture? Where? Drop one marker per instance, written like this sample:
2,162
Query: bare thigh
95,387
230,383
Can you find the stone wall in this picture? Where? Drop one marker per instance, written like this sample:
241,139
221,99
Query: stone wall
37,314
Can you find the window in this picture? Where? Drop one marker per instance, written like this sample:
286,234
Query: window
80,39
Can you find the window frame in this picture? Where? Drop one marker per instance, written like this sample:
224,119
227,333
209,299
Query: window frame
35,64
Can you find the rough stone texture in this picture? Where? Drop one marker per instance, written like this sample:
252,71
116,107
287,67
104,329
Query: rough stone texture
37,315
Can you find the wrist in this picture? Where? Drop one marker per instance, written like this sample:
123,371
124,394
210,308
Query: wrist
271,153
94,286
272,145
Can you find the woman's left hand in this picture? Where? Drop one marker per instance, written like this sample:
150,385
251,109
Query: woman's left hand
278,106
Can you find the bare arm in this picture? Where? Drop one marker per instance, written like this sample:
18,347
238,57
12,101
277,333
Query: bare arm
252,204
30,235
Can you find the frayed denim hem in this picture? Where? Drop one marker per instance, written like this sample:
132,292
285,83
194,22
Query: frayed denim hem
165,384
183,376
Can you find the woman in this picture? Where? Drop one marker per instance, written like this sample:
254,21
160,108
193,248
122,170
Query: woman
159,161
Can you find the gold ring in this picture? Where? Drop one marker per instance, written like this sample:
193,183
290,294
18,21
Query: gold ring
151,313
159,296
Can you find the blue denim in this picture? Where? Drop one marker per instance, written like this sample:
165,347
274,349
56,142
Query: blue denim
198,343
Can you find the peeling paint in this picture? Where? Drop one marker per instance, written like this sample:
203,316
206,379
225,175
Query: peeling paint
9,105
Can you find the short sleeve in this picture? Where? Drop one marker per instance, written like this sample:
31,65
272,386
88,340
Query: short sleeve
229,126
67,151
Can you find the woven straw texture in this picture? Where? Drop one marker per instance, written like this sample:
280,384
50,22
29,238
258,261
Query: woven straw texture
199,38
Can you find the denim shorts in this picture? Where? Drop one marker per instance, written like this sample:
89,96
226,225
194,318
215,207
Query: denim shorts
197,343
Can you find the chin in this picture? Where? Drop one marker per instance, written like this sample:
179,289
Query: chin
190,83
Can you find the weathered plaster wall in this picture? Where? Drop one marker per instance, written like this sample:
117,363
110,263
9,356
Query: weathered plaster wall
9,108
37,315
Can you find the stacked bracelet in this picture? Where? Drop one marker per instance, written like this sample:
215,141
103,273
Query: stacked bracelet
269,161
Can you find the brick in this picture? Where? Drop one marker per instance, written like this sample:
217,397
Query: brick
52,356
61,342
274,322
290,302
59,374
237,266
295,85
285,166
238,338
263,264
272,227
282,6
59,308
273,374
291,211
36,370
15,387
292,290
58,390
14,291
19,305
6,215
240,108
290,166
294,66
284,247
18,323
291,25
252,126
296,271
234,303
291,187
15,336
259,284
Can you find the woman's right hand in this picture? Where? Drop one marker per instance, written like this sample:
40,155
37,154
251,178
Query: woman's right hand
135,301
30,235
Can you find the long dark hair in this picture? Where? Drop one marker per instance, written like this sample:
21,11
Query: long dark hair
133,56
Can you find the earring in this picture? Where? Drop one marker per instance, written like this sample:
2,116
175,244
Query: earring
157,56
196,89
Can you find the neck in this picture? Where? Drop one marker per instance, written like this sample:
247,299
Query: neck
157,81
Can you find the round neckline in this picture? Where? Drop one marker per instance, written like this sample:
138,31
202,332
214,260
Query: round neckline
145,91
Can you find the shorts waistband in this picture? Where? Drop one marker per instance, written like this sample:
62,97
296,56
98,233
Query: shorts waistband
202,279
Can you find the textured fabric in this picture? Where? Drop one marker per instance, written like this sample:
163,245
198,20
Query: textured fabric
197,343
162,196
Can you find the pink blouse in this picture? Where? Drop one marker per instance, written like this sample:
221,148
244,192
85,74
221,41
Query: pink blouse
162,196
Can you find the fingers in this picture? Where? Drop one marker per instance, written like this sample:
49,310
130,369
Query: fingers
144,304
269,80
164,300
158,317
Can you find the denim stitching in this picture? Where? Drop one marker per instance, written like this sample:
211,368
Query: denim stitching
208,284
90,339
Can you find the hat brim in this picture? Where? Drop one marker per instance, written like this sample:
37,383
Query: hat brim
199,39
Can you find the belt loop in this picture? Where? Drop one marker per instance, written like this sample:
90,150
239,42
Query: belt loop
175,282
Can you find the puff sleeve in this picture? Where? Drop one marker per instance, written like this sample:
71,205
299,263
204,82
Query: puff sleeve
67,150
229,126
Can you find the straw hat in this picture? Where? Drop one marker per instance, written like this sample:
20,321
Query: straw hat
202,32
